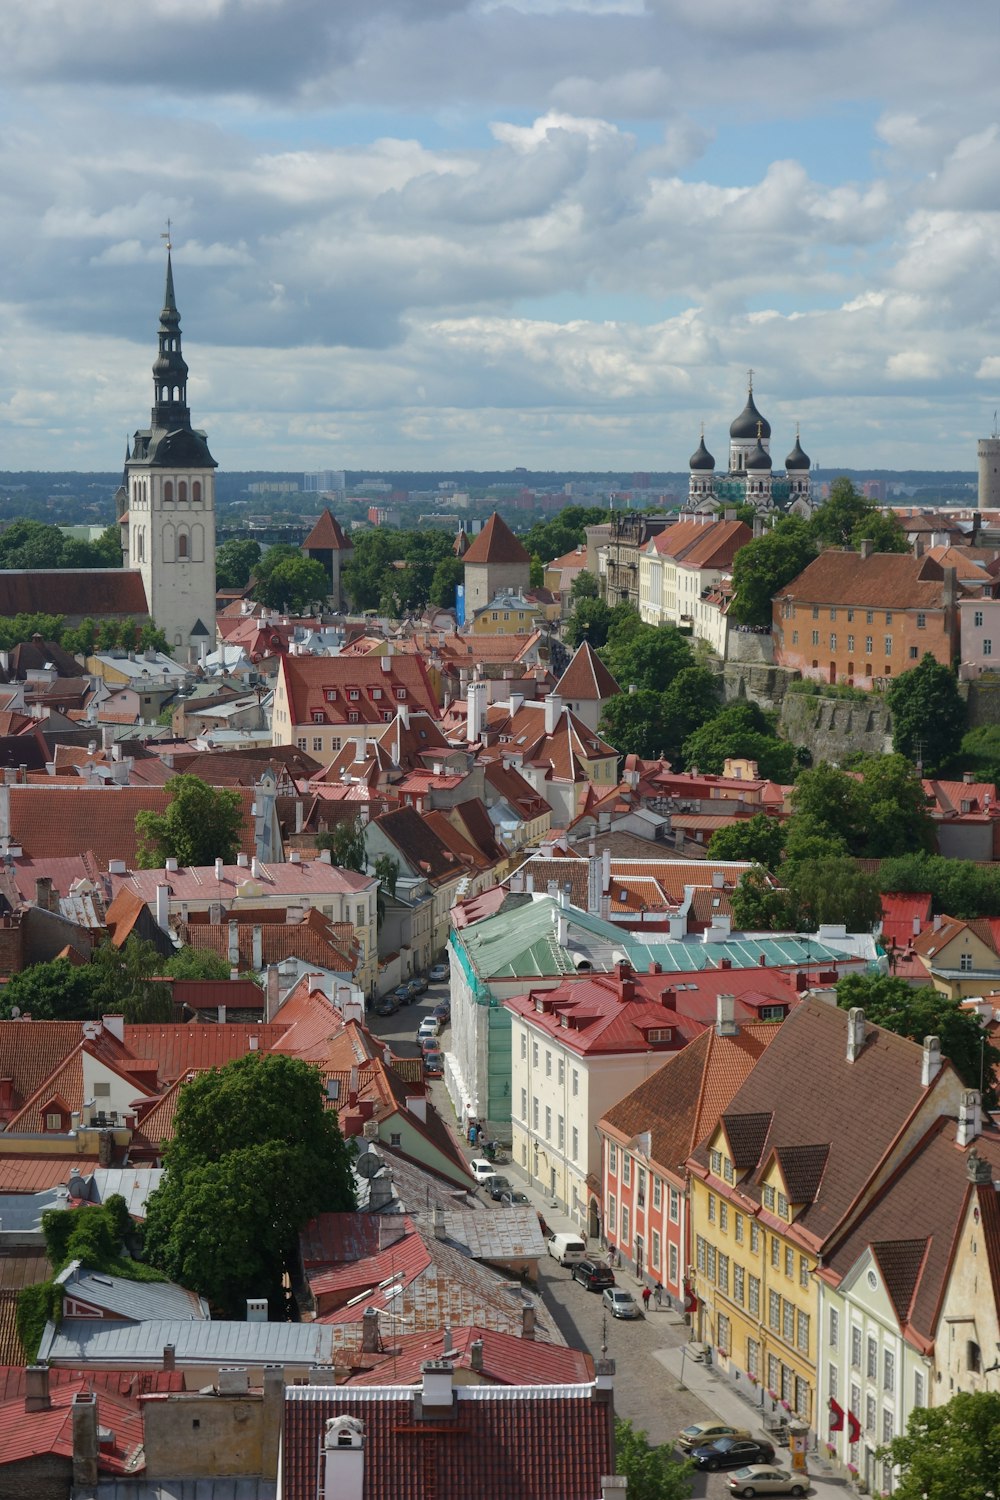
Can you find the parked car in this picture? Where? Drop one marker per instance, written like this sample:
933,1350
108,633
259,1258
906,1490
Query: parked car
434,1064
593,1274
402,994
428,1027
733,1453
418,984
620,1303
765,1479
497,1186
429,1043
514,1199
481,1169
386,1007
700,1433
442,1012
567,1249
438,973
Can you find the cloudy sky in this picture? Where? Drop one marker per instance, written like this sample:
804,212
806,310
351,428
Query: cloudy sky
450,233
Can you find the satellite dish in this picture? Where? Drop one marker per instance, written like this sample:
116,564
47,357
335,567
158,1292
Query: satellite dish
368,1164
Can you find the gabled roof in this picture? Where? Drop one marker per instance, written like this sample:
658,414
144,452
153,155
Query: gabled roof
309,681
66,1083
885,580
182,1049
79,591
327,534
496,543
717,546
55,821
315,940
27,1435
420,844
31,1051
586,679
506,1358
132,1300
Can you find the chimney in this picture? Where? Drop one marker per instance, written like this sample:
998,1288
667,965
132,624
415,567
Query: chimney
163,907
476,1356
855,1033
606,869
115,1025
274,1402
614,1487
416,1104
718,880
343,1466
85,1444
36,1388
243,860
370,1341
234,944
865,548
219,867
970,1117
553,709
215,913
931,1063
949,587
528,1316
936,924
43,892
169,1362
256,1309
437,1390
438,1224
170,865
258,948
725,1016
391,1230
272,992
604,1370
255,868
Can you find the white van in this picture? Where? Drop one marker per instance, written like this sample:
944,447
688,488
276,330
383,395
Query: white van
567,1249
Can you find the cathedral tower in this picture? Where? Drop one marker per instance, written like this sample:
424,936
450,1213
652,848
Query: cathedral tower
168,530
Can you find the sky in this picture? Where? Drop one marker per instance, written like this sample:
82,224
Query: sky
477,234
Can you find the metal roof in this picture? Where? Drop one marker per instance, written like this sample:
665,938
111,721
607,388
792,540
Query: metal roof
134,1184
136,1301
186,1489
136,1345
507,1234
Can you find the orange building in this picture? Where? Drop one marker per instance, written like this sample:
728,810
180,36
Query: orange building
865,617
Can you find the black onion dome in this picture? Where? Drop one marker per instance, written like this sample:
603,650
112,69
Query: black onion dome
750,423
797,459
701,458
759,459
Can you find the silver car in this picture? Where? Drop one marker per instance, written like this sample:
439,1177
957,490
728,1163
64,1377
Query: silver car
620,1303
765,1479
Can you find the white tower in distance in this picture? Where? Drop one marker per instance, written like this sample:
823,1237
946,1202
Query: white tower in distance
988,453
169,529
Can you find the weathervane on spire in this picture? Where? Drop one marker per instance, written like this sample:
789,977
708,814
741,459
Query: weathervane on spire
166,236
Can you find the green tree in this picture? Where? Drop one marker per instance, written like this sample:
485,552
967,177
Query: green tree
235,561
884,531
759,839
635,724
195,963
979,753
563,532
346,843
950,1452
123,982
201,824
765,565
592,620
740,729
956,886
928,714
894,807
833,890
387,872
759,905
447,575
917,1013
54,991
827,803
292,584
835,522
653,1473
648,655
255,1155
585,586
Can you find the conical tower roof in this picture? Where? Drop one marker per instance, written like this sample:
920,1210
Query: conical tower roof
327,535
496,543
586,679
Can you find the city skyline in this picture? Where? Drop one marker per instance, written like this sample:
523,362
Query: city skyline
553,233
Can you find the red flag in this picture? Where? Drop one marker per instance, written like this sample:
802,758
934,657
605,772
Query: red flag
836,1416
853,1428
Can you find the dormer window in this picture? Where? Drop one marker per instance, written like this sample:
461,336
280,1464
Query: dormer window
331,695
353,694
659,1034
376,692
386,716
319,717
352,718
400,693
769,1196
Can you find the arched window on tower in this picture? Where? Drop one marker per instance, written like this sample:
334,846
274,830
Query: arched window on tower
168,492
196,491
182,546
182,491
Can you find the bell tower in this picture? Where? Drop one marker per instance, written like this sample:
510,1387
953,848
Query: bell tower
168,528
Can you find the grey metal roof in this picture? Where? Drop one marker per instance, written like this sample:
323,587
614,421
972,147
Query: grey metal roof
505,1234
138,1345
138,1301
186,1489
134,1184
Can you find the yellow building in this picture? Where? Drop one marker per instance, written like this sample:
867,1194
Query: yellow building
506,614
829,1111
960,957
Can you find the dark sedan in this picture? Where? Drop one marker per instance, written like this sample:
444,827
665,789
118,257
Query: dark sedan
733,1453
593,1274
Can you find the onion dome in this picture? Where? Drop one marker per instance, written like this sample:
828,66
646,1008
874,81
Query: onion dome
759,458
797,459
701,458
750,423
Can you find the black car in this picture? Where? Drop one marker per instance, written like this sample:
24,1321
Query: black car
593,1274
733,1453
513,1199
497,1186
386,1007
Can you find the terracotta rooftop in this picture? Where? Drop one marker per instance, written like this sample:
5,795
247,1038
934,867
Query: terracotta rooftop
586,679
327,534
885,580
56,821
496,543
323,685
79,591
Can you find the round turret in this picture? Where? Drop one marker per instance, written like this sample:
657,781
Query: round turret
797,459
759,458
750,423
701,459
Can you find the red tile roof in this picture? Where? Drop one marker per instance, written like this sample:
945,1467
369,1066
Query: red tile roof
885,580
83,591
496,543
191,1048
327,535
36,1174
309,681
586,679
506,1359
26,1435
57,821
899,914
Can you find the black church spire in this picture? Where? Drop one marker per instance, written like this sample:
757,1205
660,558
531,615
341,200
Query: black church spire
170,408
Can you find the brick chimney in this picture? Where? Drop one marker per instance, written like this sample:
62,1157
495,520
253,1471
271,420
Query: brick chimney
370,1341
476,1356
36,1388
528,1317
85,1442
855,1033
865,548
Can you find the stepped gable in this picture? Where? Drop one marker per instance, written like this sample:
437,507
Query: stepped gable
496,543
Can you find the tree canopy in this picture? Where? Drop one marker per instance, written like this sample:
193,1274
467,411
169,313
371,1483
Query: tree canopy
235,561
648,655
255,1156
959,887
566,530
765,565
372,580
878,810
33,544
201,824
921,1012
593,620
848,518
447,575
653,1473
741,729
830,888
293,583
928,714
114,982
759,839
346,843
950,1452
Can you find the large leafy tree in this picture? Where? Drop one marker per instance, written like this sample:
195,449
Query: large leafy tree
833,890
848,517
653,1473
759,905
555,537
447,575
53,991
201,824
636,724
122,982
195,963
765,565
950,1452
585,586
293,583
235,560
255,1155
593,620
648,655
928,714
741,729
959,887
346,843
917,1013
759,839
878,810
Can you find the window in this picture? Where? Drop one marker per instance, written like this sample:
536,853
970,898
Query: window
102,1090
576,1144
561,1132
753,1295
914,652
782,1206
815,639
887,1427
973,1355
626,1169
675,1205
624,1225
888,1370
795,637
850,643
815,611
870,617
803,1271
856,1348
773,1372
301,742
534,1112
524,1104
754,1238
612,1212
833,640
711,1266
352,718
977,618
672,1271
655,1248
562,1069
715,1162
724,1274
775,1252
711,1208
802,1397
739,1278
789,1262
548,1123
701,1250
640,1187
769,1197
612,1158
524,1047
871,1364
317,742
738,1228
723,1334
395,1138
727,1169
802,1331
753,1357
870,1414
534,1054
888,617
868,645
576,1082
723,1215
833,614
888,645
787,1321
987,647
657,1192
53,1122
918,1388
774,1311
548,1063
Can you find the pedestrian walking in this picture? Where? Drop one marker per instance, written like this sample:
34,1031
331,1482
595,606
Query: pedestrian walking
646,1294
658,1294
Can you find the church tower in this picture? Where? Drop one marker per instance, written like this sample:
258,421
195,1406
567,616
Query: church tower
168,530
